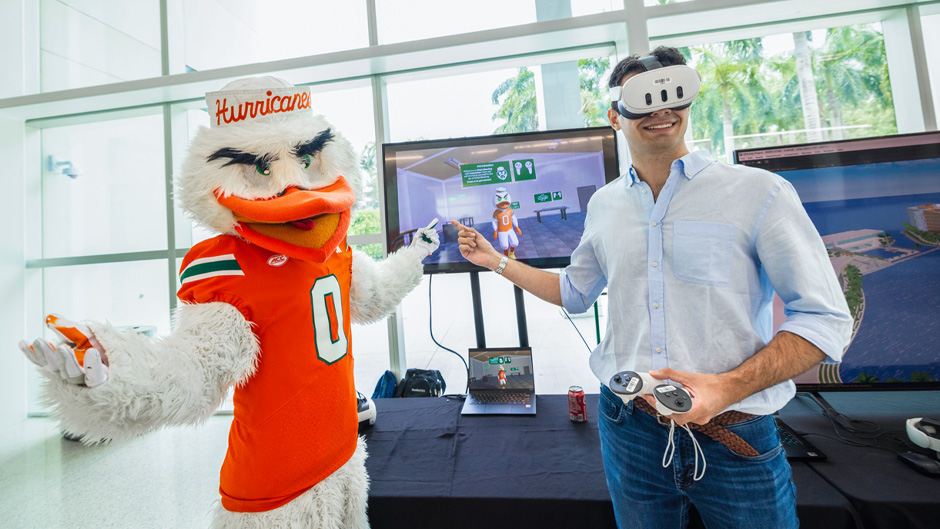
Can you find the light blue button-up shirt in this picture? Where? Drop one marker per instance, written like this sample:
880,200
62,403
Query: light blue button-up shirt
691,277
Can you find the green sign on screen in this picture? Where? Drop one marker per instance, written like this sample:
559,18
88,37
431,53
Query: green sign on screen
543,197
514,205
524,169
481,174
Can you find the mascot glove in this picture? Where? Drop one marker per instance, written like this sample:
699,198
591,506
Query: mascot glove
426,239
78,359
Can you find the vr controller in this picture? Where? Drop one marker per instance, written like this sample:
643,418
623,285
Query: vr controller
670,398
366,409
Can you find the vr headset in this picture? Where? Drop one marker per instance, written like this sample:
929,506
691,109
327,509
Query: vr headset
659,87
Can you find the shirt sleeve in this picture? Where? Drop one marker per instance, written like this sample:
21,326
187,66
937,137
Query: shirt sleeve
583,280
798,267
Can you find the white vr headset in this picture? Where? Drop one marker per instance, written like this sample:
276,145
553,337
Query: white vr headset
924,432
658,88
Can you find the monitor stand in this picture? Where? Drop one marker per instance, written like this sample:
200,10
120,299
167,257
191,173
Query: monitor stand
478,313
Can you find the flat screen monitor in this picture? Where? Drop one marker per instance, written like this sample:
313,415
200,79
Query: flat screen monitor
543,181
876,204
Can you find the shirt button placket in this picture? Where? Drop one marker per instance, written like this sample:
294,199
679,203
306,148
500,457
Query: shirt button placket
656,291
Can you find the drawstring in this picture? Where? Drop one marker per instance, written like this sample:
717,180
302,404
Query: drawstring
671,450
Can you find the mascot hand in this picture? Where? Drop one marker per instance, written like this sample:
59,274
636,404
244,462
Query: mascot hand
78,359
426,239
495,235
518,231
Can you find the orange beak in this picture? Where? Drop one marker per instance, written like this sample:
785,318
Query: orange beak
305,224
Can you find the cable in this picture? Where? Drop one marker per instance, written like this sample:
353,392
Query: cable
565,312
431,329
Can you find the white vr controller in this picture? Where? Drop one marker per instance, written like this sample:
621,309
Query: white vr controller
670,398
366,409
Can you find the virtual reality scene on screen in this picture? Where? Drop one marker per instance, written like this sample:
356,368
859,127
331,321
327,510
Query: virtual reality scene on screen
880,223
501,370
527,197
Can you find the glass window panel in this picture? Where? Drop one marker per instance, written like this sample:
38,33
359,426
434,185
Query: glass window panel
497,101
404,20
751,94
663,2
219,34
587,7
931,28
93,42
115,199
124,294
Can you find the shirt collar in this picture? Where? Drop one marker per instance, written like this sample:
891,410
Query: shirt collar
689,165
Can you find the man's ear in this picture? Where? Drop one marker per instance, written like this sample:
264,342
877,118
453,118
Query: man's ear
612,116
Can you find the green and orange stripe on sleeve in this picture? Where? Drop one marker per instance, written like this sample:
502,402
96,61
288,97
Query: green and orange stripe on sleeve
206,267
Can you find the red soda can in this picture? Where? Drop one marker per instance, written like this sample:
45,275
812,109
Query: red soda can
577,411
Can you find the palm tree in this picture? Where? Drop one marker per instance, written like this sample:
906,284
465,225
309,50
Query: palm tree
807,80
866,378
922,376
518,107
594,98
850,65
729,81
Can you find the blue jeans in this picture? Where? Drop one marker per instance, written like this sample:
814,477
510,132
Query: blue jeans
735,492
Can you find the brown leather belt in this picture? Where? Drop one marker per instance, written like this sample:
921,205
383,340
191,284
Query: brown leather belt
714,428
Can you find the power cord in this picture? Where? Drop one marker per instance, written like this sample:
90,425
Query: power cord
565,312
431,329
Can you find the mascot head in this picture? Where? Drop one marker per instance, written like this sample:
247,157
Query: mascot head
270,171
501,198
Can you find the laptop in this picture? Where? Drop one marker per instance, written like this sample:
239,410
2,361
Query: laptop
795,445
501,382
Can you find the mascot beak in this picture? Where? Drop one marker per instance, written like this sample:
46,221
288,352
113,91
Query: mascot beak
305,224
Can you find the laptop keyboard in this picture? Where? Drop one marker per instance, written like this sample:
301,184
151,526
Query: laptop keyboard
795,446
503,398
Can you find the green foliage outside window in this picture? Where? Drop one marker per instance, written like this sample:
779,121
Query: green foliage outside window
750,98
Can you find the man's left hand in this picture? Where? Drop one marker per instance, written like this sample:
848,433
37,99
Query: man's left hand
710,395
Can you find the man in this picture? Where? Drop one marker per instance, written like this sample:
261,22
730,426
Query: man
691,251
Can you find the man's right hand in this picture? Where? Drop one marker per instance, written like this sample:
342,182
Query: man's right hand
475,248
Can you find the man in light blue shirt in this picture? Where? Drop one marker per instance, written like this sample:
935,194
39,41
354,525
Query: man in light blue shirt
691,251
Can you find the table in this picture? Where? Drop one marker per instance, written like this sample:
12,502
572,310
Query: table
431,467
883,491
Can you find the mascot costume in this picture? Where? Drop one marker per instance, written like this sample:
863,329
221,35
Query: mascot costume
266,307
504,222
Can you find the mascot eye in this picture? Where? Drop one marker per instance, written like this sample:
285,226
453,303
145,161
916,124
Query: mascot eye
263,169
305,161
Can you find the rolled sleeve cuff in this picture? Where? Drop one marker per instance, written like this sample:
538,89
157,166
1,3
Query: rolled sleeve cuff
572,300
829,341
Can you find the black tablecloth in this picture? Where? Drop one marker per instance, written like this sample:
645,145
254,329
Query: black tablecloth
883,490
434,468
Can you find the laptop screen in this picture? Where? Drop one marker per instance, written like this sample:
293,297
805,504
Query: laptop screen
501,368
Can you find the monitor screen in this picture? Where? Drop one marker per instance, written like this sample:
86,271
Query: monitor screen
502,368
527,193
876,204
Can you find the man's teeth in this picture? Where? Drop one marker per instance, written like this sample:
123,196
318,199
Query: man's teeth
664,126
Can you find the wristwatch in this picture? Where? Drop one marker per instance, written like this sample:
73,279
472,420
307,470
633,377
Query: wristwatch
502,265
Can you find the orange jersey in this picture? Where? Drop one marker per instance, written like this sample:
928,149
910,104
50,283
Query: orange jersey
295,418
502,375
503,219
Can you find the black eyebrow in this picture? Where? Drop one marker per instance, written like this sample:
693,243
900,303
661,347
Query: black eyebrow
240,157
315,145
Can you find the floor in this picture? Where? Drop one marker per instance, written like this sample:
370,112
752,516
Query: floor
166,479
